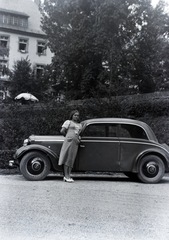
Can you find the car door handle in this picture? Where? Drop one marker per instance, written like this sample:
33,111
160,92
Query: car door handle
82,146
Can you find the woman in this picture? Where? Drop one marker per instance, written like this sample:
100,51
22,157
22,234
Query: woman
71,130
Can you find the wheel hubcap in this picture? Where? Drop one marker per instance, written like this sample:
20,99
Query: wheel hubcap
36,165
150,169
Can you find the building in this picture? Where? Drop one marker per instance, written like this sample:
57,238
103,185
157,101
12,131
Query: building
21,37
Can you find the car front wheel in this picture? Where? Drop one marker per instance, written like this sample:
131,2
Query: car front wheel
151,169
35,166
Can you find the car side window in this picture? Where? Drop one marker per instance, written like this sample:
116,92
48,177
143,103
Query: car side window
95,130
132,131
124,132
112,130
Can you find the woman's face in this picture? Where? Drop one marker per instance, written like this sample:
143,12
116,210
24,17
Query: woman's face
75,116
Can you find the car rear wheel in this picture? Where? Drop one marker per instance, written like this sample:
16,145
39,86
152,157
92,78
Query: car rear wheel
35,166
151,169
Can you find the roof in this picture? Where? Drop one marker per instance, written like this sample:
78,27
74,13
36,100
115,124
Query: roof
26,8
14,12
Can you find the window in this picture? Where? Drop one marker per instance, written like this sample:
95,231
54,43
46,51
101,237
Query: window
39,70
5,19
132,131
124,133
95,130
3,67
41,48
113,130
101,130
4,41
14,19
23,45
11,20
23,22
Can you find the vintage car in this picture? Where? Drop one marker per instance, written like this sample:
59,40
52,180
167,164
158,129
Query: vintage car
107,145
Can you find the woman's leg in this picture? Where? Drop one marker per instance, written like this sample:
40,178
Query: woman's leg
69,170
66,171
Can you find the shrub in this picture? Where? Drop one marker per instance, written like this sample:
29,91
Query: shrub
21,121
5,156
152,108
94,108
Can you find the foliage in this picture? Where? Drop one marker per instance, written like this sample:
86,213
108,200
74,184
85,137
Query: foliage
103,48
153,108
94,108
5,156
24,79
23,121
20,121
21,78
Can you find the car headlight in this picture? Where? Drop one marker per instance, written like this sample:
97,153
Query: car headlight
25,142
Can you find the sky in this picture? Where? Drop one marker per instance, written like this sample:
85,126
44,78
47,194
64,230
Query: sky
154,2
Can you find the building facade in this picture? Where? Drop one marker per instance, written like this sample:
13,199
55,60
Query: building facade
21,37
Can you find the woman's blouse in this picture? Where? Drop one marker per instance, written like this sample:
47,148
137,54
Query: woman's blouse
76,126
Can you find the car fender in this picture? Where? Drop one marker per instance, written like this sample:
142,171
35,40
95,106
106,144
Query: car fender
20,152
158,152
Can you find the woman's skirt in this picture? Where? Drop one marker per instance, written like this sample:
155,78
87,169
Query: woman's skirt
69,151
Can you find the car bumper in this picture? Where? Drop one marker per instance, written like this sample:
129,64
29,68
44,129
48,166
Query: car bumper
13,164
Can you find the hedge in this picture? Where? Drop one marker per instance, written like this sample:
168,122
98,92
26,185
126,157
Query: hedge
5,156
19,121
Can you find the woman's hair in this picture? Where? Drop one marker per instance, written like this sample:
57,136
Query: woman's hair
72,113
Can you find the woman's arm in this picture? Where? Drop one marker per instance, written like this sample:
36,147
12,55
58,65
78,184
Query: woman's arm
63,131
65,127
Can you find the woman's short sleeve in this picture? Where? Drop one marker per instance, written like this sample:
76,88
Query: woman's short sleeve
66,124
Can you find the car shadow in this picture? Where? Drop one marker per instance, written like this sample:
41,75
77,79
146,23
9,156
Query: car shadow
93,177
115,177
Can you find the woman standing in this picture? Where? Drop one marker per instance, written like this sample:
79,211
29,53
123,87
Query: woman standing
71,130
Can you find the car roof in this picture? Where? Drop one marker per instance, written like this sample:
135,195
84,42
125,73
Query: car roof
115,120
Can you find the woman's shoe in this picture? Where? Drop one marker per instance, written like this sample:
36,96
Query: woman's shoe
69,180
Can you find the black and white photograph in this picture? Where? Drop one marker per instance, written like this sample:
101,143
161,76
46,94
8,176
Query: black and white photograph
84,119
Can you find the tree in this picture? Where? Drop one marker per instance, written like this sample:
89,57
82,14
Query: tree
21,77
42,83
149,45
104,47
24,79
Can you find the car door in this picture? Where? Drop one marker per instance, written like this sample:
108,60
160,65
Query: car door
133,141
99,148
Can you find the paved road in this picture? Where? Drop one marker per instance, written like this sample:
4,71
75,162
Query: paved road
111,208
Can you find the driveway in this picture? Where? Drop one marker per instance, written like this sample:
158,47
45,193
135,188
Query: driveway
92,208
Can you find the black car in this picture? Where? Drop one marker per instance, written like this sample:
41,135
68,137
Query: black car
107,145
